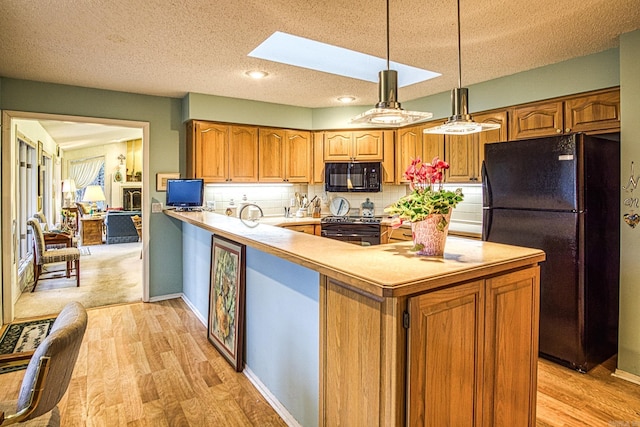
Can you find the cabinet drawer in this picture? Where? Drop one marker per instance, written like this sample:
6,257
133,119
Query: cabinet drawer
306,228
401,234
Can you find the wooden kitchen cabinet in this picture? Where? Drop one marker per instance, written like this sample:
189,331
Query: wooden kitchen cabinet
343,146
243,154
388,161
391,235
445,353
478,341
318,158
465,153
222,153
535,120
593,112
412,142
596,113
284,155
305,228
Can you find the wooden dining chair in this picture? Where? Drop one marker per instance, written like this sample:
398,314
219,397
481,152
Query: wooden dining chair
137,223
44,256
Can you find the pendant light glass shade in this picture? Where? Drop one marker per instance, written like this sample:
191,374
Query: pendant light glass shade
460,122
388,111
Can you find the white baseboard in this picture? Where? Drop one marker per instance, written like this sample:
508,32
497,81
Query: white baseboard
270,398
194,310
165,297
627,376
262,389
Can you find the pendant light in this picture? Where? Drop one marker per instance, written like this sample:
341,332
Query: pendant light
388,112
460,122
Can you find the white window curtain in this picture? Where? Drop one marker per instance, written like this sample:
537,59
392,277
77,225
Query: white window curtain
85,171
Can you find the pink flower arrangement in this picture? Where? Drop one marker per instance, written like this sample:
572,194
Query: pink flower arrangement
424,200
419,174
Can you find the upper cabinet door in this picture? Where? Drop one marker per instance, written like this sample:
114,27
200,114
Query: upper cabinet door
462,156
298,156
318,158
243,154
210,153
542,119
388,161
337,146
432,146
408,147
593,113
490,136
271,149
367,146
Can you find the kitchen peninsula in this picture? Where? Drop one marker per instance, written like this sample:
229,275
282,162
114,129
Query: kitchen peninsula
340,334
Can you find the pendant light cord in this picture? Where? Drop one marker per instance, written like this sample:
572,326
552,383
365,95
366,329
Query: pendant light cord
388,34
459,49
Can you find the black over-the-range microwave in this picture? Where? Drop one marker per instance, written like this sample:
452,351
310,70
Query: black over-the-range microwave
353,176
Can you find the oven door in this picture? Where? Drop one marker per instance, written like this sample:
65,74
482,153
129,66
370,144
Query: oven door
357,234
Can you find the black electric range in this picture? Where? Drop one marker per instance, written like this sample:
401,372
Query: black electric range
364,231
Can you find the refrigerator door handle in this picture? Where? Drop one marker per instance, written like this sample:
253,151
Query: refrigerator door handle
487,216
486,187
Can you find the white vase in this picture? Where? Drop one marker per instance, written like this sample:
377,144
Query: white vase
427,239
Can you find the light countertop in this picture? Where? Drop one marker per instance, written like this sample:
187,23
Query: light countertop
382,270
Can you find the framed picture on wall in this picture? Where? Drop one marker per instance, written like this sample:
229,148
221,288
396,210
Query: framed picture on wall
161,180
225,329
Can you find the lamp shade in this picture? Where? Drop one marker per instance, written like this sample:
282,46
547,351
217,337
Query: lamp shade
68,185
93,193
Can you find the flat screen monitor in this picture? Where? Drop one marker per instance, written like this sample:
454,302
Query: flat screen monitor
185,194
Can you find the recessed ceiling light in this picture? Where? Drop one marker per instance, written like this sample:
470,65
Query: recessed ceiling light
346,99
306,53
256,74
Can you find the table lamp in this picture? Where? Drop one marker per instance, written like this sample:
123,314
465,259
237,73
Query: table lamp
93,194
68,189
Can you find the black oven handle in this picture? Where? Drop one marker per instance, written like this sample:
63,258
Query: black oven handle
329,234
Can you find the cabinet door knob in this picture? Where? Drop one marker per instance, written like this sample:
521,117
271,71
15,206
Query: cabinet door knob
558,130
567,130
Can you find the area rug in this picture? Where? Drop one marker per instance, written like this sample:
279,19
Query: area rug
21,339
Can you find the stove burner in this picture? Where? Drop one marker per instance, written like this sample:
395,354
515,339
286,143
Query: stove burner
350,220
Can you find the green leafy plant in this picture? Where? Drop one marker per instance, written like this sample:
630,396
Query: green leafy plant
427,195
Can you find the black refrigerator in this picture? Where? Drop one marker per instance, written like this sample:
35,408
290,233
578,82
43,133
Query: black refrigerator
562,195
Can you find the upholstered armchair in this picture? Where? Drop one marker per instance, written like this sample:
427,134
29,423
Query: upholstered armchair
43,256
49,372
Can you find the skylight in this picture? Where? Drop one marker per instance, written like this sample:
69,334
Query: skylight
306,53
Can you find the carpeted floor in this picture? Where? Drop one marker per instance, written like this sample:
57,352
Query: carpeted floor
110,274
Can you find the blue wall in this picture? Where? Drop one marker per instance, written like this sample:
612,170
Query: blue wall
281,324
282,332
196,247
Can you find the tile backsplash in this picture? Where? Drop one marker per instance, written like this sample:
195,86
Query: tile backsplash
467,217
271,198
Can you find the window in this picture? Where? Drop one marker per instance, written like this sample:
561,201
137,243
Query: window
27,195
99,180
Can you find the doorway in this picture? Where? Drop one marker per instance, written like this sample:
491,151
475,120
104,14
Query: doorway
11,288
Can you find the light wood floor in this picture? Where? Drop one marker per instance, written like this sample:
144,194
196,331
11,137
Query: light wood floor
151,365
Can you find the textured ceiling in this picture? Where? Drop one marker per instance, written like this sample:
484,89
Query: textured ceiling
172,47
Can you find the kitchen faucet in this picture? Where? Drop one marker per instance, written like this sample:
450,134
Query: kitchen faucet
247,205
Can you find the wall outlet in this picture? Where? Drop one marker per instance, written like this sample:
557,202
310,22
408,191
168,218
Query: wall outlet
156,207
